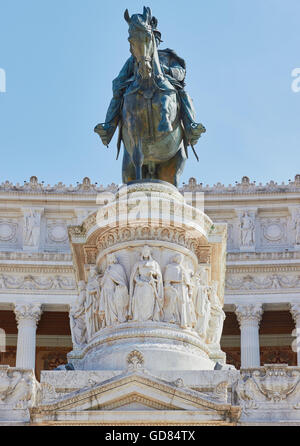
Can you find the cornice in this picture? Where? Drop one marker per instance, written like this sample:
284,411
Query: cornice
41,269
35,256
279,268
245,187
262,256
86,189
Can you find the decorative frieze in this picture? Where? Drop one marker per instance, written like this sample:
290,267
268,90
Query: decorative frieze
161,233
251,282
41,283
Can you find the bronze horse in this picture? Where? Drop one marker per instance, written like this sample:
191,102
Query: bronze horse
150,127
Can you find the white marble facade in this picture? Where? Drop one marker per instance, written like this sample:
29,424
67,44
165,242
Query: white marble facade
262,272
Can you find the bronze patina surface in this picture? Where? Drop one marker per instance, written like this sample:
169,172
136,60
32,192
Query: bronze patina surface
154,113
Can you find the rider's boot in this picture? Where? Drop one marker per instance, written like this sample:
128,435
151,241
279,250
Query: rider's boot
105,131
193,131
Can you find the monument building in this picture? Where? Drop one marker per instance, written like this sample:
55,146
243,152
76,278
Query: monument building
39,288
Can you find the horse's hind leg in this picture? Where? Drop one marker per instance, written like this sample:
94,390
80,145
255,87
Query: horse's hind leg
172,169
138,158
128,170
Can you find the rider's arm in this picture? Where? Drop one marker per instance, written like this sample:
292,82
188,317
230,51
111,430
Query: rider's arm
177,71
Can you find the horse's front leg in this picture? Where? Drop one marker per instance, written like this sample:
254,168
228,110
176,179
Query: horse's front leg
166,104
138,158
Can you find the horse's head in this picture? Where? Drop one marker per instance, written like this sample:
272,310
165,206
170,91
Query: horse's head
142,38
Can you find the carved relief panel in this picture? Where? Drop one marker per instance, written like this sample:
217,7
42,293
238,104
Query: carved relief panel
294,230
56,235
273,232
246,229
9,233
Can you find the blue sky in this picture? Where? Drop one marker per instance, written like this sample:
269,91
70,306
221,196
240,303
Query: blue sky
60,57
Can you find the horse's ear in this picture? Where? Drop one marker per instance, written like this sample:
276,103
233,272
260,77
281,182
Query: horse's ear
154,22
127,16
147,14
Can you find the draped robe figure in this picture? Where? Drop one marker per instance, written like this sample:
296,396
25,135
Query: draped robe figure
217,316
32,229
114,297
146,289
202,303
77,317
93,319
247,230
297,229
178,282
170,309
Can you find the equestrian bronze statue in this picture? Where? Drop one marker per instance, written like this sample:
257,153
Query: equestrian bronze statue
154,113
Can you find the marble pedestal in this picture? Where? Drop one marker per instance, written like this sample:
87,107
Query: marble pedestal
163,346
180,240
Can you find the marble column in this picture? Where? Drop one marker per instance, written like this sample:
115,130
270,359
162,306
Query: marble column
295,311
27,316
249,316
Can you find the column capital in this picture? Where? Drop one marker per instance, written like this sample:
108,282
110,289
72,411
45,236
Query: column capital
28,209
28,311
249,312
240,211
295,311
